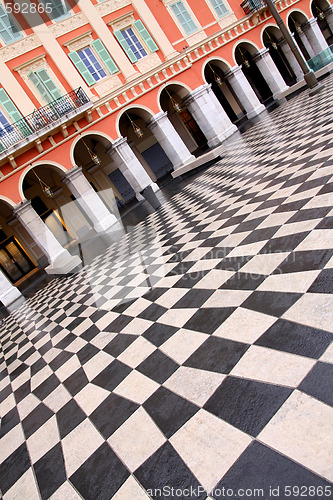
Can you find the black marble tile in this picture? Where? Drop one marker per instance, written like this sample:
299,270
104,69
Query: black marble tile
273,303
217,252
319,382
158,367
260,235
76,382
112,375
297,339
69,417
265,473
90,333
46,387
169,411
208,319
118,324
233,263
323,283
308,260
9,421
66,341
153,312
14,467
86,353
159,333
22,392
193,298
292,206
247,404
309,214
32,422
217,355
190,279
284,243
249,225
120,308
243,281
166,468
119,344
111,414
50,471
75,323
325,223
61,359
101,475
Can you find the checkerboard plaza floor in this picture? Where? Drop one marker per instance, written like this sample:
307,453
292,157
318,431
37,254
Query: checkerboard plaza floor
194,359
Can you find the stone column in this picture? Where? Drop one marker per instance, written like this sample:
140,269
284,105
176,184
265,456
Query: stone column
89,200
169,140
244,92
292,60
129,165
8,292
270,72
209,115
60,260
315,36
307,44
329,17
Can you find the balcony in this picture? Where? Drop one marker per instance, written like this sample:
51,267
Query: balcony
252,6
42,121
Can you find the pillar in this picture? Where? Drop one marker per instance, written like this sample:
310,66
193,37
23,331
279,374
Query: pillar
270,72
315,36
306,44
129,165
60,260
329,17
8,292
89,200
292,60
169,140
244,92
209,115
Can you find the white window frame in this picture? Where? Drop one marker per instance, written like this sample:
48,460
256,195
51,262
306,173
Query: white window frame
98,59
136,34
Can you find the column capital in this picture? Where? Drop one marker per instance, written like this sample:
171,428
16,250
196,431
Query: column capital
329,9
198,92
22,207
157,117
262,53
116,144
309,23
71,174
235,70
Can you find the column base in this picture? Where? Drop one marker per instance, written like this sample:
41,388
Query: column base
64,264
218,139
279,96
256,111
9,296
105,224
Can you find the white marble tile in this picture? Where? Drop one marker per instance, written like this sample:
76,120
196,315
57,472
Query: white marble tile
313,309
264,263
227,298
137,352
11,441
58,398
96,364
137,439
214,279
136,387
302,430
318,239
177,317
131,489
24,488
43,440
245,325
291,282
90,397
209,446
182,344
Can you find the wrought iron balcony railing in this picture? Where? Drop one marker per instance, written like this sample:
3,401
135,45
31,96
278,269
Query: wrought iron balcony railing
251,6
39,119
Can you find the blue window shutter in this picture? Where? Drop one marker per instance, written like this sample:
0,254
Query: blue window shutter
125,46
105,56
145,36
80,66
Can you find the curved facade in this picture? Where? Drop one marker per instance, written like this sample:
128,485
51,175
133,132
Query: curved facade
103,99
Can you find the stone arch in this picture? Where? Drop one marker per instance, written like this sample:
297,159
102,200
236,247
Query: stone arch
82,135
296,20
23,175
7,201
145,112
215,72
322,11
172,95
273,40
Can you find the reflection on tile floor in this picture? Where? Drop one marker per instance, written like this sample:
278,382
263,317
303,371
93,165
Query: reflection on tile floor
195,354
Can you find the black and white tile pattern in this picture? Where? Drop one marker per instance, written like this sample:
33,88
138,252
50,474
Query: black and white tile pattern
195,354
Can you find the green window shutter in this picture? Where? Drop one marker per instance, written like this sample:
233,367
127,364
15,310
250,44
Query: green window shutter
39,86
145,36
219,7
105,56
125,46
48,84
14,113
183,17
8,29
81,67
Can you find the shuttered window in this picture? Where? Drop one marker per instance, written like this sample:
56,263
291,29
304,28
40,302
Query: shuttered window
60,9
89,66
45,85
183,17
131,43
9,31
15,116
219,7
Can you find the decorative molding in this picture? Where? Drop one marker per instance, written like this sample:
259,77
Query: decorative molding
122,21
196,37
69,24
34,64
107,85
109,6
148,62
80,41
18,48
227,20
